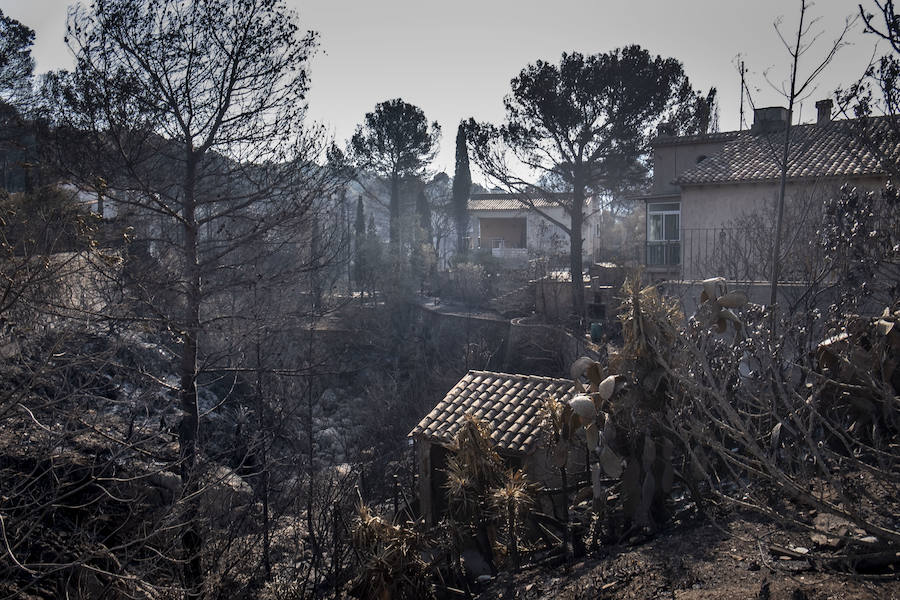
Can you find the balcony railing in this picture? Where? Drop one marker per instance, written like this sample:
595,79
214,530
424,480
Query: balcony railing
738,254
664,254
510,253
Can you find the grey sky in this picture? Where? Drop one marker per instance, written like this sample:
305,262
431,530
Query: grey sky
455,59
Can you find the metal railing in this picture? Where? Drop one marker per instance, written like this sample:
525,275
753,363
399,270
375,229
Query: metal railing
663,254
510,253
734,253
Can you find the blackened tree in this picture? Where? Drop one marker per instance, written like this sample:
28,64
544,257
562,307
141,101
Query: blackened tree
579,127
423,258
797,86
359,236
696,113
396,142
374,253
881,135
462,187
197,110
423,212
16,64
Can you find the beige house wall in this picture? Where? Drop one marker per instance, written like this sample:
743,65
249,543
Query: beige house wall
716,206
709,209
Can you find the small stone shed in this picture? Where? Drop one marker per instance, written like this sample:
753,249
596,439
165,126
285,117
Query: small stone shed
510,406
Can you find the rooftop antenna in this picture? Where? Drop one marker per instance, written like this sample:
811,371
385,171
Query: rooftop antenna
743,89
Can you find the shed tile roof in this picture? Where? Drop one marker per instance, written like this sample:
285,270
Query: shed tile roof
817,151
508,404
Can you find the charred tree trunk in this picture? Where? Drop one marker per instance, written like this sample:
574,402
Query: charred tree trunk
395,212
189,430
576,265
264,474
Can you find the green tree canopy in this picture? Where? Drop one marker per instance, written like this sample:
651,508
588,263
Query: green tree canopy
580,127
396,142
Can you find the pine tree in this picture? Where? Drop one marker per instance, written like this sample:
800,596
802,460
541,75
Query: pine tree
422,259
395,142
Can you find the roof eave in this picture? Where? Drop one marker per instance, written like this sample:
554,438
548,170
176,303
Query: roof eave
775,180
528,451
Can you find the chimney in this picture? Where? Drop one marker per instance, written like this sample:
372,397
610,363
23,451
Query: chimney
824,108
665,129
769,119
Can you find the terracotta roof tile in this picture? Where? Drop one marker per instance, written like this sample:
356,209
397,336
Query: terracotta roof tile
817,151
509,404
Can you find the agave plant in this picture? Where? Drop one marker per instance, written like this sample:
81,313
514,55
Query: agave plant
473,471
473,468
512,498
393,567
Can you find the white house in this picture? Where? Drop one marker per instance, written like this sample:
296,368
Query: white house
512,229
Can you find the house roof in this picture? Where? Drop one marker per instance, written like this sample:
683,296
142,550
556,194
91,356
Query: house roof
508,404
831,150
515,202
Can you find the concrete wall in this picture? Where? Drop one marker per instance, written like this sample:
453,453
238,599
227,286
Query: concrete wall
518,346
670,161
718,205
450,329
540,349
539,468
688,293
708,210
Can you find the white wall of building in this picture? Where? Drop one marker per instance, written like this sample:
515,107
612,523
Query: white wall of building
542,235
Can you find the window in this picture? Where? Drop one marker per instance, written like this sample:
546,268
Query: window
664,234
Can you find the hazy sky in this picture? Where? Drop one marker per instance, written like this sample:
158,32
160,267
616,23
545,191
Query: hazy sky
454,59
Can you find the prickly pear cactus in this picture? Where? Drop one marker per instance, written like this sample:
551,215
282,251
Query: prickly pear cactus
622,414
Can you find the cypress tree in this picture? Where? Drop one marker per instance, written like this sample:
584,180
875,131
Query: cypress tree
462,187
